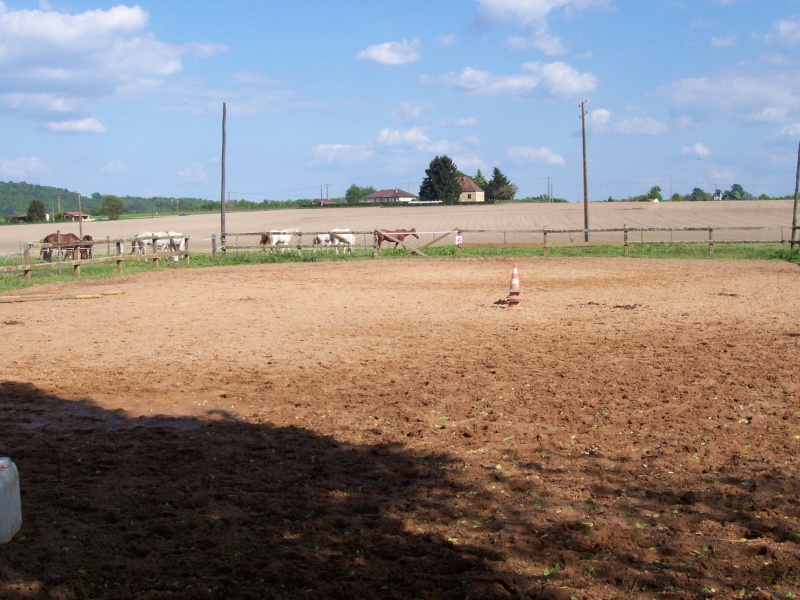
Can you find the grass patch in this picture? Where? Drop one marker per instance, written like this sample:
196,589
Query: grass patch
15,281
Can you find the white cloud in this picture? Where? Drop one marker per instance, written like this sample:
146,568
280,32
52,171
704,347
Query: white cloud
530,154
733,93
406,111
785,32
640,126
725,42
600,117
465,122
556,79
408,137
341,153
541,40
20,168
602,121
88,125
792,130
392,53
697,149
115,166
532,12
531,16
193,173
770,114
446,40
68,61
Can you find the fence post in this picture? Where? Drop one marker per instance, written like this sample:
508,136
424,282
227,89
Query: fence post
544,241
213,246
223,241
27,262
710,241
186,250
300,243
375,245
118,246
458,245
625,239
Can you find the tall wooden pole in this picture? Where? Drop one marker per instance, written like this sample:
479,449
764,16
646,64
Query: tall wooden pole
794,212
585,183
222,193
80,218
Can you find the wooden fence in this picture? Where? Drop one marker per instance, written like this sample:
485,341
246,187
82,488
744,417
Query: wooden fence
462,238
156,254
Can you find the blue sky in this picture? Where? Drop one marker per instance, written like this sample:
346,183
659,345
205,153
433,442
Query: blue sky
127,99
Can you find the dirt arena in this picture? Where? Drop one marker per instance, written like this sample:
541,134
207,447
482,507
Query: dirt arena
390,429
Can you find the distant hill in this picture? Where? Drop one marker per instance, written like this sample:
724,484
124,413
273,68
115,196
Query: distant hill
16,197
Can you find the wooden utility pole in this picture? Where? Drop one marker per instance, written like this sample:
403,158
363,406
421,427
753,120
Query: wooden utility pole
80,219
585,184
222,193
794,212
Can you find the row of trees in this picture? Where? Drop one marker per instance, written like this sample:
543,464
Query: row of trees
736,192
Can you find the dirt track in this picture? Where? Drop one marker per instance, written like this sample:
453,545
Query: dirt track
773,214
389,429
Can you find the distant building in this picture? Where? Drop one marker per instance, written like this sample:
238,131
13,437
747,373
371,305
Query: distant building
395,195
322,202
76,216
470,192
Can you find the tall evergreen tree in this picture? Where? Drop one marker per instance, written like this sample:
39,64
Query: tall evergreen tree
36,212
500,188
441,181
480,180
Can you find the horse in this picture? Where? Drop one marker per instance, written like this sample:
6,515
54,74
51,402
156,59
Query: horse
323,240
145,238
177,242
398,236
62,238
277,238
342,237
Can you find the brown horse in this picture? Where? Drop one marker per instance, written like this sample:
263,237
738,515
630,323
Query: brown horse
398,234
68,250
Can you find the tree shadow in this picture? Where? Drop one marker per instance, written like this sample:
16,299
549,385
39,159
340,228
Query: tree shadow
163,507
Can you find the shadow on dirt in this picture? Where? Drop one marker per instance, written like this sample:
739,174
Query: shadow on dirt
163,507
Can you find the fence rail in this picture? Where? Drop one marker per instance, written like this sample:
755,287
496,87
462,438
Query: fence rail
77,248
544,238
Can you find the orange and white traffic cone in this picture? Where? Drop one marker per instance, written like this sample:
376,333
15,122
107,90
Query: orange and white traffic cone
514,291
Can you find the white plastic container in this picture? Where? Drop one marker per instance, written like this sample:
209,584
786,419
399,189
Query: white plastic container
10,506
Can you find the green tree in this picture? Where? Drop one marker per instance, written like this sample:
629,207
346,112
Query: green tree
36,212
111,206
699,195
354,193
500,188
441,181
480,180
655,192
736,193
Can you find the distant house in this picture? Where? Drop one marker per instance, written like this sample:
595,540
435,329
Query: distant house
470,192
395,195
76,216
322,202
20,218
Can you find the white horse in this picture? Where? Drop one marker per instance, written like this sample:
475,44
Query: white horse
323,240
176,242
143,239
343,237
277,238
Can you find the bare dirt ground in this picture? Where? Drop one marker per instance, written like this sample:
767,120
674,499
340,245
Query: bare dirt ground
389,429
773,215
